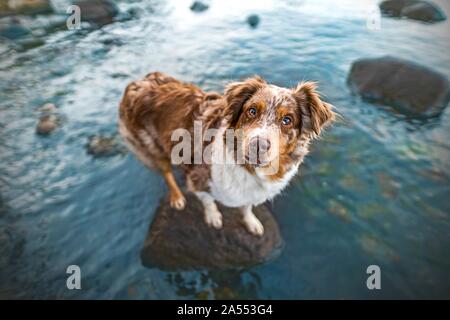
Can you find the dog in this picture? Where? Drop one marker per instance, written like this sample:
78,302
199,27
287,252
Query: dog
275,124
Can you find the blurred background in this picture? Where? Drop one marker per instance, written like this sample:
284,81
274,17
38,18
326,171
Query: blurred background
374,190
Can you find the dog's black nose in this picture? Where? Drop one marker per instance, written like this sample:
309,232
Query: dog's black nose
260,145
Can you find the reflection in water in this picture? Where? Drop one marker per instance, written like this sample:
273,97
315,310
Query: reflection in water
373,191
226,284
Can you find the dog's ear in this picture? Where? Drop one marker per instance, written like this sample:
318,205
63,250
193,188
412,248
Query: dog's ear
237,93
316,114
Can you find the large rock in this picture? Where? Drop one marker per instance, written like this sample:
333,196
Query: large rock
394,8
199,6
423,11
99,12
411,88
181,240
30,7
412,9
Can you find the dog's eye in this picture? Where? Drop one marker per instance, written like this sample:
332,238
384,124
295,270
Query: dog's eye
252,111
286,121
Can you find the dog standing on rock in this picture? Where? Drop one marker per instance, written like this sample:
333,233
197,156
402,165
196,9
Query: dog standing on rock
271,128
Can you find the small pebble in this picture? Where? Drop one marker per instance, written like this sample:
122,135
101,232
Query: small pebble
46,124
253,20
198,6
100,146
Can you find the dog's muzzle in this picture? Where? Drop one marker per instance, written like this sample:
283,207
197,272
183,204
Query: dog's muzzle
258,151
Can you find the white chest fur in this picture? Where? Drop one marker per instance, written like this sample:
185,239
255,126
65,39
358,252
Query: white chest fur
234,186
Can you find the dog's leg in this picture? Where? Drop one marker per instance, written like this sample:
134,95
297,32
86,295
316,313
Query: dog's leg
177,199
213,217
251,222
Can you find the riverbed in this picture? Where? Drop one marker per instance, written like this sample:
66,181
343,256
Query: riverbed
374,189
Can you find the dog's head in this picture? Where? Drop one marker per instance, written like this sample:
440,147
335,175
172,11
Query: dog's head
275,124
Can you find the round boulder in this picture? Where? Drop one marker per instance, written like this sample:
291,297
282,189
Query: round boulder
413,89
47,124
412,9
394,8
199,6
253,20
181,240
102,146
99,12
423,11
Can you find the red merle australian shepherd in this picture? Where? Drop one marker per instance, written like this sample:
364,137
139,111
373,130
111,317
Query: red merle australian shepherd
269,127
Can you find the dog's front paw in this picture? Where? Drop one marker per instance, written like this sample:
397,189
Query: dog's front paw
253,225
177,201
213,217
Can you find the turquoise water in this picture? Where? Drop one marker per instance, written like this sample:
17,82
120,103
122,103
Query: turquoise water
374,190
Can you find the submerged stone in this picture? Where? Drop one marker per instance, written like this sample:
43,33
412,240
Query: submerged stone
199,6
14,31
102,146
253,20
28,31
99,12
423,11
409,87
47,124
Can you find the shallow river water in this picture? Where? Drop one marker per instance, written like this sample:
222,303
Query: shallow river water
374,190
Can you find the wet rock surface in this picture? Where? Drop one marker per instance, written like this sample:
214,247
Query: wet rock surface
25,32
104,146
199,6
181,240
13,31
98,12
409,87
412,9
253,20
47,124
